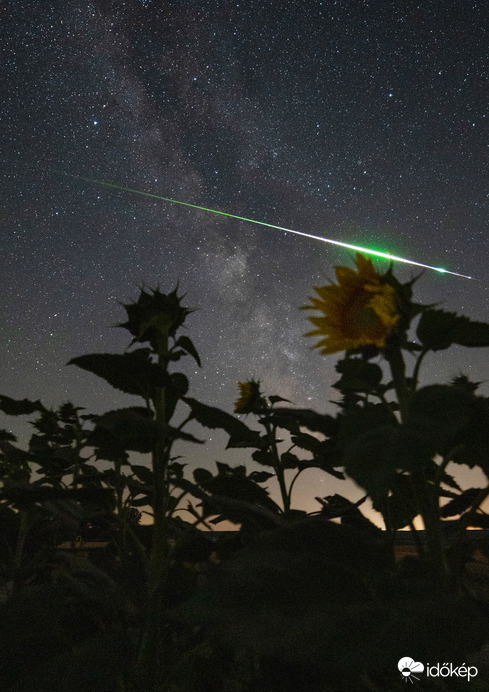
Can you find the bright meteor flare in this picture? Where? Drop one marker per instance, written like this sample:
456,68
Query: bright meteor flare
349,246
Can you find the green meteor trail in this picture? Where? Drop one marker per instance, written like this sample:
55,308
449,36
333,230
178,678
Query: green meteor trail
349,246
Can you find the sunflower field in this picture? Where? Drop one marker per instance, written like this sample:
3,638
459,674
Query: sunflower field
93,598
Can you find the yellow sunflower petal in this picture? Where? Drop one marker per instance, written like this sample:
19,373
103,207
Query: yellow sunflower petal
250,399
361,310
345,274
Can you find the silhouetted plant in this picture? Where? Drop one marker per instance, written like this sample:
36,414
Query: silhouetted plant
297,601
311,604
398,448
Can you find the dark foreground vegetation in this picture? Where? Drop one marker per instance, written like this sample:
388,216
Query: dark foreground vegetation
92,600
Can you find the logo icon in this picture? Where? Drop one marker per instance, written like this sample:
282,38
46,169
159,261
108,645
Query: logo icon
408,668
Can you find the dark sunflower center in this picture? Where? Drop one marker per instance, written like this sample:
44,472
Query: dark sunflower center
359,319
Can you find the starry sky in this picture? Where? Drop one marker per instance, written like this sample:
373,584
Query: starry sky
364,122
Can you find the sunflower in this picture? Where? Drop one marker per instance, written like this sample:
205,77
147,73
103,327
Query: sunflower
250,399
361,310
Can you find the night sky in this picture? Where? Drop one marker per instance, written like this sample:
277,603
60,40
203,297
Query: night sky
365,122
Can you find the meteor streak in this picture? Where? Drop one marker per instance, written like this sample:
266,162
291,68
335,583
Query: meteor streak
349,246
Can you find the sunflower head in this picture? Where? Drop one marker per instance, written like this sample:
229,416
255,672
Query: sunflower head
155,316
360,311
250,398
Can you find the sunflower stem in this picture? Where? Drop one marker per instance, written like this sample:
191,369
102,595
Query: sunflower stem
428,493
149,663
394,357
277,466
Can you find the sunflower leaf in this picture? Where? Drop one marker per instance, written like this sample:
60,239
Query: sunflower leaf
186,343
131,373
358,375
19,407
438,329
211,417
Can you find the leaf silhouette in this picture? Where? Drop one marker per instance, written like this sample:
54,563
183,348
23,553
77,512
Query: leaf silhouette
439,329
131,373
